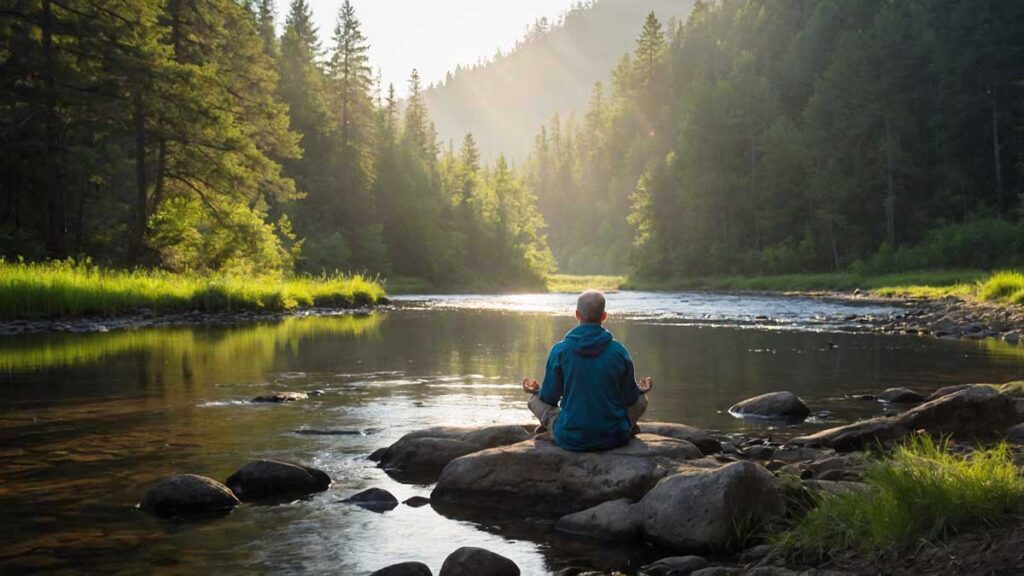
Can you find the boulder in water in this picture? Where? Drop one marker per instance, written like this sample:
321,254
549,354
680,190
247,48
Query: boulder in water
698,509
279,397
271,479
373,499
674,565
774,405
423,454
188,495
901,396
614,520
404,569
469,560
537,474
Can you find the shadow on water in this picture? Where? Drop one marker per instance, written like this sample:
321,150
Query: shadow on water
90,421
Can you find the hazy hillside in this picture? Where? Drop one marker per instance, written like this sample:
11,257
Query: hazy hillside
505,101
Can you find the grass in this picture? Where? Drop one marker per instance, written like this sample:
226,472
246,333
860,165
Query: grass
69,289
922,491
573,283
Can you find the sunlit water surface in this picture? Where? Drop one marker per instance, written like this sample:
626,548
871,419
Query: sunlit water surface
90,421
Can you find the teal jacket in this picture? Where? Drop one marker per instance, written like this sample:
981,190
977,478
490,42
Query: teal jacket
590,375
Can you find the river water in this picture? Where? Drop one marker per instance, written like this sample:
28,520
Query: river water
90,421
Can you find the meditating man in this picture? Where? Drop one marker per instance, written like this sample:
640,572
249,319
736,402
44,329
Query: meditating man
590,399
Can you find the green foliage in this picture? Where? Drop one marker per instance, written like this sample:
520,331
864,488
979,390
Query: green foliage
765,138
1003,286
923,491
63,289
575,284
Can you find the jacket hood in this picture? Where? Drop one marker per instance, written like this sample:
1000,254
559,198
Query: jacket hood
588,340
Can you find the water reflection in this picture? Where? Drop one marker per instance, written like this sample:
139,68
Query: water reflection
90,421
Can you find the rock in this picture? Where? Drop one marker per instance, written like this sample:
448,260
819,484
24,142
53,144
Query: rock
674,566
188,495
279,397
945,326
377,454
425,453
559,480
315,432
771,571
792,454
901,396
704,442
404,569
1013,389
1015,434
774,405
757,452
468,561
947,390
834,487
719,571
974,411
1012,338
845,467
273,479
416,501
373,499
701,508
614,520
755,553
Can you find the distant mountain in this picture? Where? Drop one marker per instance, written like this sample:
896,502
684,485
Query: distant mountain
504,101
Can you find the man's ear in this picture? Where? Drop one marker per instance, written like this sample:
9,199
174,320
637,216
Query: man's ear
604,316
578,317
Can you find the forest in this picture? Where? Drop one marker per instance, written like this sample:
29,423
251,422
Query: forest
752,138
192,136
762,137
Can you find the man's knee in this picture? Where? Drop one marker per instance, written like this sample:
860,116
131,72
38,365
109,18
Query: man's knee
544,412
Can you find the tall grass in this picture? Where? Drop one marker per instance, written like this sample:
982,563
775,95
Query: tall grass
1005,286
69,289
922,491
574,283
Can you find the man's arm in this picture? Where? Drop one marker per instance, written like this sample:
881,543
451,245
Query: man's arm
631,389
552,388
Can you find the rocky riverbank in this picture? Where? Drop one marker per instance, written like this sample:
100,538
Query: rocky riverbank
712,500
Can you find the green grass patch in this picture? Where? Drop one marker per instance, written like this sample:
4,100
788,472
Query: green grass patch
573,283
69,289
922,491
1007,286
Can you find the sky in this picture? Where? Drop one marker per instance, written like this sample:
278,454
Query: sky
433,36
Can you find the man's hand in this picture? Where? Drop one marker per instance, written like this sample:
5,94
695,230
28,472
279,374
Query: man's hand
645,385
531,386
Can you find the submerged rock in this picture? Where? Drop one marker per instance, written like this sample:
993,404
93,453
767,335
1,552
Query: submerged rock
425,453
704,442
537,474
188,495
373,499
279,397
614,520
774,405
469,560
974,411
416,501
674,565
703,508
404,569
269,479
901,396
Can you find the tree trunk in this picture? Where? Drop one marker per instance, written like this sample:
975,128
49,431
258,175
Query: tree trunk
55,212
138,237
996,149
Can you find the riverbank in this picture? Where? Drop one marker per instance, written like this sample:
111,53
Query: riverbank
31,292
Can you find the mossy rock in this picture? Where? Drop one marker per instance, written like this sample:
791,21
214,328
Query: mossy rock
1013,389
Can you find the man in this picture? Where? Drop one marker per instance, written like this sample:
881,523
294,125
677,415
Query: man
592,376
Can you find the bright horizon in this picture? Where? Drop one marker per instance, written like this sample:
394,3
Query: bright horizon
433,37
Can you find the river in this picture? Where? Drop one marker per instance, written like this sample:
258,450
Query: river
90,421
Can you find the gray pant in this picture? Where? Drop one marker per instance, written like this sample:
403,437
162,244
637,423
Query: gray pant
547,414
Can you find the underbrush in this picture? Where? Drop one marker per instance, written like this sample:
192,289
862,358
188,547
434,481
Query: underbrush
921,492
70,289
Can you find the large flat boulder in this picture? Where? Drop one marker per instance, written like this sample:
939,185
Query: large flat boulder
773,406
470,560
423,454
976,411
705,442
699,508
188,495
536,474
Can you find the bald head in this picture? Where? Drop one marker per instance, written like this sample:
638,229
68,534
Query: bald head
590,307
